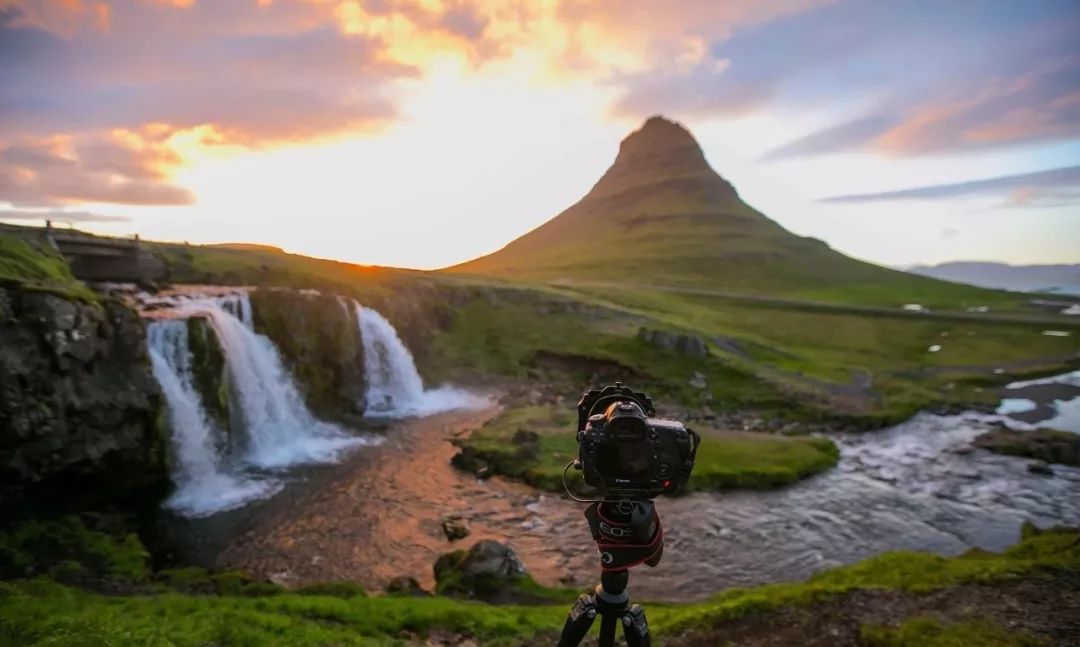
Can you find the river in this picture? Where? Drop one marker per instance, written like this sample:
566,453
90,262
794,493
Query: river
915,486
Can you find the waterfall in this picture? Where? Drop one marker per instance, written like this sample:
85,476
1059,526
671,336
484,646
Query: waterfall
204,484
276,430
394,386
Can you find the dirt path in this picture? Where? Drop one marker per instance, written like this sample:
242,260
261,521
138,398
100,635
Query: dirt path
378,515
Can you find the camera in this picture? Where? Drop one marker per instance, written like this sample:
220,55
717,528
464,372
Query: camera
625,452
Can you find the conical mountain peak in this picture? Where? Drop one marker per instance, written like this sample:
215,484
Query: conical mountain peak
661,150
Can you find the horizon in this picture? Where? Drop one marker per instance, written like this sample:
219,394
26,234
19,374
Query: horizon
340,130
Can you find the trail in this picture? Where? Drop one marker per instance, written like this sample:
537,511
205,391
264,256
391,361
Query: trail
838,308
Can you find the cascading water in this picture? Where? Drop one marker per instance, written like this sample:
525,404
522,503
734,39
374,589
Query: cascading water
204,484
277,430
394,386
280,431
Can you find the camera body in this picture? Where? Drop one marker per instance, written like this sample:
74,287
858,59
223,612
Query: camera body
626,452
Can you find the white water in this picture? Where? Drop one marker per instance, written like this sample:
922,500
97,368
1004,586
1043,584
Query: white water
395,389
275,428
204,484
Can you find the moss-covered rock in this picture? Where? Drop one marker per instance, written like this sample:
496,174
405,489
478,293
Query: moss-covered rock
209,372
485,571
1047,445
317,337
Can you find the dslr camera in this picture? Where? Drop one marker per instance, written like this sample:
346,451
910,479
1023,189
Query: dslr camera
625,452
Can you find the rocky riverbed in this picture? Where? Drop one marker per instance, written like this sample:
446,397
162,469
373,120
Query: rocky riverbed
919,485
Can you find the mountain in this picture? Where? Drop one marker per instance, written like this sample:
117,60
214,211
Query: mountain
1061,279
662,216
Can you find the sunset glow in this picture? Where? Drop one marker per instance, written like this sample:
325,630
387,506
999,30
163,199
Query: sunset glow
422,133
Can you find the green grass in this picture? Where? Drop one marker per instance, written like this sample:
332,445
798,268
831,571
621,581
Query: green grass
35,266
43,612
535,443
930,632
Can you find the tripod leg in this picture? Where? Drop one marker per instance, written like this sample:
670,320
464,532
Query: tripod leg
578,621
635,627
608,623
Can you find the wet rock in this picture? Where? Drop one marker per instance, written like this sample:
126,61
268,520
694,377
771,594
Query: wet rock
405,585
486,570
1040,467
316,335
81,418
1046,445
454,527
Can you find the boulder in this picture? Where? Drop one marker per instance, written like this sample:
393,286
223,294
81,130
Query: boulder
486,570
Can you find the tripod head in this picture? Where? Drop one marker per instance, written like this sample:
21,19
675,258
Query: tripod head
626,532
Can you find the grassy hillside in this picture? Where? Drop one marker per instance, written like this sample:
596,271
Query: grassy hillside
661,216
33,265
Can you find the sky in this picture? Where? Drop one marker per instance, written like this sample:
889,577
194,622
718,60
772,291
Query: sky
422,133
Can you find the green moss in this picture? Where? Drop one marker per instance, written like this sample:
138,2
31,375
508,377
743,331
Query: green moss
930,632
35,266
535,443
732,460
334,589
92,548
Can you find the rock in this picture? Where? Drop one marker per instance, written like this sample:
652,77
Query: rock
691,345
405,585
1046,445
1040,467
317,337
454,528
698,381
484,571
81,416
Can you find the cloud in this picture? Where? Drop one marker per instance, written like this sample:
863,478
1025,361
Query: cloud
122,167
58,215
928,81
1049,188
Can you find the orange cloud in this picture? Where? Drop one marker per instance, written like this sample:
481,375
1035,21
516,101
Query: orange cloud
62,17
121,167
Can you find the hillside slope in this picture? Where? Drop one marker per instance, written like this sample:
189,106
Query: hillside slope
662,216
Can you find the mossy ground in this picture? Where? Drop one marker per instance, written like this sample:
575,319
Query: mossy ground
535,443
35,266
193,607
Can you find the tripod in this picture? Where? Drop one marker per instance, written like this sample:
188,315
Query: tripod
611,601
627,533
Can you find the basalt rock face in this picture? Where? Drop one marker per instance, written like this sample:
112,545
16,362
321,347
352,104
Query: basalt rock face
80,411
317,337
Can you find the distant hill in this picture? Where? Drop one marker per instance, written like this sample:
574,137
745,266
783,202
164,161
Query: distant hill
661,215
1060,279
248,247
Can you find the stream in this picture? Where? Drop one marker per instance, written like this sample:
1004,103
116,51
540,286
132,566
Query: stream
916,486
